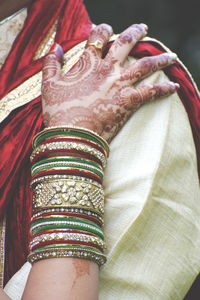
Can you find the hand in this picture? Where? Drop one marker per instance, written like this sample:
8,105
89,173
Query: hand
98,93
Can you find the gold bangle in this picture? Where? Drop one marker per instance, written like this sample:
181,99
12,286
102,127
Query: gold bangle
79,210
100,259
68,236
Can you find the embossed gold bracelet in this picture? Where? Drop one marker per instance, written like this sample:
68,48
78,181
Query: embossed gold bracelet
69,193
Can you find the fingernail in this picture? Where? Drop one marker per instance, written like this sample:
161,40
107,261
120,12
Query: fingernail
172,56
145,26
57,50
177,86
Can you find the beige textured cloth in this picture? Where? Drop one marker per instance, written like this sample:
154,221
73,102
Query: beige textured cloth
8,33
152,219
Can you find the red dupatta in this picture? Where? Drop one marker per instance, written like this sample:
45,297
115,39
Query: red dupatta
18,129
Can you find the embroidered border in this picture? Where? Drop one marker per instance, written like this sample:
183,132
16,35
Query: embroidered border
31,88
2,249
47,42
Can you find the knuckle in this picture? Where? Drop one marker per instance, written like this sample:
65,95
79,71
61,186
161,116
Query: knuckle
163,59
147,62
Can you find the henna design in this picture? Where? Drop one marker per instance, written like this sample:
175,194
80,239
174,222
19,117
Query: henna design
147,66
101,33
86,76
97,93
125,42
133,33
82,268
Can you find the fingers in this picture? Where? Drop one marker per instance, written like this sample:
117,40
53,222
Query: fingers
52,63
146,66
99,38
125,42
132,98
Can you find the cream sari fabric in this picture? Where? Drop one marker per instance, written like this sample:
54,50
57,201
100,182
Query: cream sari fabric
152,212
8,33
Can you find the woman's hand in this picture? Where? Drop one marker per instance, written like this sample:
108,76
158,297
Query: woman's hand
98,93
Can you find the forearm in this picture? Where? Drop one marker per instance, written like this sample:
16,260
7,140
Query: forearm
62,278
3,295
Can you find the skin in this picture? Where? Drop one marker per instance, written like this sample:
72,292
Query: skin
98,93
97,89
101,89
3,295
62,279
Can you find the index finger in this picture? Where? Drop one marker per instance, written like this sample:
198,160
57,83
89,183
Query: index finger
52,63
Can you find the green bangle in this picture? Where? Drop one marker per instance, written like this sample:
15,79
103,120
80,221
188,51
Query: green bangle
69,226
67,159
72,131
70,166
67,219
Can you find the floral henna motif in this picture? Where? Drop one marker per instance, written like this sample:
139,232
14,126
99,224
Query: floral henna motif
104,118
97,93
147,66
128,36
87,76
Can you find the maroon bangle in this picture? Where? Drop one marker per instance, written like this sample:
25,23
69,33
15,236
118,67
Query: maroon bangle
68,242
43,155
75,140
82,216
69,172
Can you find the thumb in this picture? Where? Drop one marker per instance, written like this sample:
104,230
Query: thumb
52,62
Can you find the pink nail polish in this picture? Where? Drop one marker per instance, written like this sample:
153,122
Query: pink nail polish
177,86
173,57
145,26
57,50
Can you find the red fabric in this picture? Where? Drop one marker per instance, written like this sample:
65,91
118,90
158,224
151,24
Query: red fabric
20,126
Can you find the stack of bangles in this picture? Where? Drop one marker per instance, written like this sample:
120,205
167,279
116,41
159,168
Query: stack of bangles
68,198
